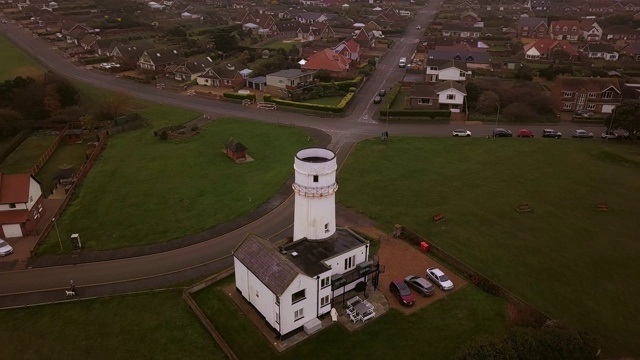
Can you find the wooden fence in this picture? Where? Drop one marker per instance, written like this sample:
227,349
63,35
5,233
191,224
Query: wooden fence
47,154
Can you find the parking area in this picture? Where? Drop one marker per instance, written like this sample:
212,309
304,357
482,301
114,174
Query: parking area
400,260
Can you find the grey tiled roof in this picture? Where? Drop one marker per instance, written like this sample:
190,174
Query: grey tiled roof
265,262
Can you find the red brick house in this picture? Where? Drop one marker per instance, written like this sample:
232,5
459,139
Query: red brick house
469,17
328,60
533,27
365,38
548,49
565,30
349,49
20,204
221,76
598,95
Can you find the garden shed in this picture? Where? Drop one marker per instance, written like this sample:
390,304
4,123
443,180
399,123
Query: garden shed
73,136
235,150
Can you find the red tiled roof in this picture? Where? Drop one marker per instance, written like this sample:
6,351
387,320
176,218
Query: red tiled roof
328,60
14,188
545,45
14,216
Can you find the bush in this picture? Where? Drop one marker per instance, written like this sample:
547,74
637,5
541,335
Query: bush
318,107
194,128
232,95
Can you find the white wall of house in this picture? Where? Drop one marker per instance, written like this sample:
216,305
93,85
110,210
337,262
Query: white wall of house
294,315
17,206
532,54
453,73
35,191
282,82
348,261
256,293
608,108
451,97
12,230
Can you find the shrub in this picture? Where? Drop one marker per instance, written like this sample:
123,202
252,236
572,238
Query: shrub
194,128
232,95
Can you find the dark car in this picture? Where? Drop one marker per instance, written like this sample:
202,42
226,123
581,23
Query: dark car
420,285
524,133
377,100
399,289
500,132
382,92
550,133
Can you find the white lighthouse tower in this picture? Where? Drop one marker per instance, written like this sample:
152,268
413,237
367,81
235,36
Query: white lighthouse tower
315,190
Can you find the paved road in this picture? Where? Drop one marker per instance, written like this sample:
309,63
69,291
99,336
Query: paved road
96,279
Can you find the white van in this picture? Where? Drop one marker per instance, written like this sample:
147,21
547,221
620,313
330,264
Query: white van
403,62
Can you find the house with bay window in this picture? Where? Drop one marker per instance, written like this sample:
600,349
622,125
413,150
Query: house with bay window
598,95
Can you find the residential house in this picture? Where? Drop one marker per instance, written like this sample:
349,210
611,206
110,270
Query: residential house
475,58
327,59
156,60
565,30
20,204
241,16
365,38
89,41
288,82
619,32
550,49
532,27
315,31
349,49
447,95
105,47
75,36
282,27
632,50
590,29
600,51
128,53
190,70
311,17
598,95
446,70
221,76
460,30
540,5
469,17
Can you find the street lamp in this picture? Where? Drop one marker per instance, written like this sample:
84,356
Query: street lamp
497,114
58,232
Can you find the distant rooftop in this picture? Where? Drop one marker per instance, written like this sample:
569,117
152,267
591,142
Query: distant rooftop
311,254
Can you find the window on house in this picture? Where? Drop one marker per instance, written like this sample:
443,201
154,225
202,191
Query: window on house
315,178
298,314
567,105
277,318
423,101
592,95
607,95
565,28
277,300
591,106
451,96
567,93
326,227
434,68
324,301
350,262
280,81
325,282
463,74
298,296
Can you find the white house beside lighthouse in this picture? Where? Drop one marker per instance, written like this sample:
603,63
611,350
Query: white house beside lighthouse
294,283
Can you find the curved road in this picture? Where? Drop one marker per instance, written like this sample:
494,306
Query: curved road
108,277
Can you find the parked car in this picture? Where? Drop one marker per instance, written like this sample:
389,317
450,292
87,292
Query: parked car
420,285
5,249
419,27
461,132
402,292
524,133
439,278
377,100
500,132
585,113
615,135
582,134
550,133
382,92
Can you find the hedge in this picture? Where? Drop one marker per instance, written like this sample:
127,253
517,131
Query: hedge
95,60
318,107
342,85
232,95
417,113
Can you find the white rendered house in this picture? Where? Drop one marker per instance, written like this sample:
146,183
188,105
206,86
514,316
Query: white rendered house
443,70
293,284
20,204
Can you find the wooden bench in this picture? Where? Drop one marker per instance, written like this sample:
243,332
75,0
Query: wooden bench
602,206
523,207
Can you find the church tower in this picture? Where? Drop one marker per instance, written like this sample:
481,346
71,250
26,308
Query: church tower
315,194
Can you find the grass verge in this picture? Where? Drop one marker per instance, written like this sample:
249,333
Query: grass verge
16,62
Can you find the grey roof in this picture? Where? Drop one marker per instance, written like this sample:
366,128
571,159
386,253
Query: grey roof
445,85
460,27
265,262
290,73
599,47
446,63
531,22
311,254
474,57
258,80
423,91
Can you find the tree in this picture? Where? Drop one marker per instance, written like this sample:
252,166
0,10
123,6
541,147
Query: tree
294,52
322,75
225,39
11,122
519,111
625,116
524,73
473,93
52,99
487,103
561,56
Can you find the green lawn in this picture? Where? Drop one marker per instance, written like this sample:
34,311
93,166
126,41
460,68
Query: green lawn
435,332
577,264
65,155
280,45
27,154
16,62
144,190
332,101
122,327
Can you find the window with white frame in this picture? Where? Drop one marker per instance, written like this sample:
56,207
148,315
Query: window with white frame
567,105
433,68
451,96
567,93
463,74
298,296
298,314
607,95
423,101
591,106
324,282
592,95
325,300
350,262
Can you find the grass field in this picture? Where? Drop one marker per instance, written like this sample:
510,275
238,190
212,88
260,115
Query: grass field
435,332
144,190
577,264
121,327
281,45
66,155
16,62
25,156
332,101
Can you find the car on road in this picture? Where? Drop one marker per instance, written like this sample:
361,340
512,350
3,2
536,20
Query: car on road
585,113
609,135
5,249
382,92
500,132
439,278
550,133
400,290
461,132
377,100
524,133
419,27
420,285
583,134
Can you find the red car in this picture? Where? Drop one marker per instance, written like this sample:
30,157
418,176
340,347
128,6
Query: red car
525,133
402,292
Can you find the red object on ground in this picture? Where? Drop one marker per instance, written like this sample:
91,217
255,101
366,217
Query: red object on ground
424,246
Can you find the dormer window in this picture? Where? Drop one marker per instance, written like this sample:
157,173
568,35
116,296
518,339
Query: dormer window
607,95
565,28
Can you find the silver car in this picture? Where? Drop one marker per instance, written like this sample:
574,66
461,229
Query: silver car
420,285
583,134
5,249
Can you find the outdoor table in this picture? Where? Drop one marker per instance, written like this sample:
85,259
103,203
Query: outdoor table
361,308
